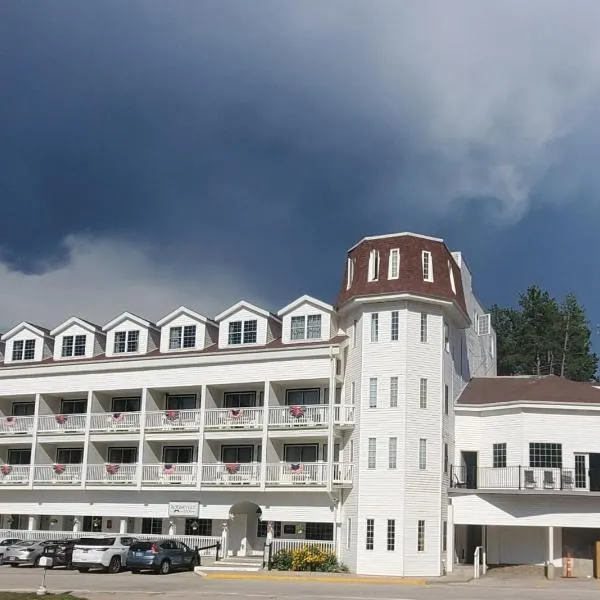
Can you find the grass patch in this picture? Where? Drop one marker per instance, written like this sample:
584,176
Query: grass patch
34,596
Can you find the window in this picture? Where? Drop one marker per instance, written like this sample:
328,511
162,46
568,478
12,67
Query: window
181,402
427,266
444,536
421,536
182,455
239,399
23,350
127,341
120,405
422,454
424,328
122,456
349,273
301,453
423,393
243,332
375,327
451,274
484,324
373,392
354,325
336,452
370,533
580,471
69,456
499,456
446,459
446,399
73,345
306,328
394,326
152,526
318,531
391,535
349,533
198,527
394,264
372,456
23,409
392,453
261,529
237,454
73,407
353,393
182,337
547,456
374,265
393,392
446,337
303,397
21,456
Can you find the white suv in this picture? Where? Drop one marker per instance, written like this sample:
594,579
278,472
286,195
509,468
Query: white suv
108,553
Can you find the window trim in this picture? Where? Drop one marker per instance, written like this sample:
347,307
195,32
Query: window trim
423,392
349,273
373,392
422,454
374,265
499,455
110,449
242,332
25,351
131,336
424,327
286,447
421,535
374,327
308,330
165,449
393,453
394,386
394,273
395,326
427,266
181,339
370,535
372,453
391,535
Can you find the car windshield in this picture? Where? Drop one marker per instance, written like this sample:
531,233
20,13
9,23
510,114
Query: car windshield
97,541
141,546
27,543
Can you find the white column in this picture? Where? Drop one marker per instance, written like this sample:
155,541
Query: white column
450,558
172,527
76,524
550,560
265,435
142,443
33,523
224,538
334,353
269,532
123,526
337,528
200,457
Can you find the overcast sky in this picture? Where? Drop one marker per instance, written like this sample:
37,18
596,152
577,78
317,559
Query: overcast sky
154,154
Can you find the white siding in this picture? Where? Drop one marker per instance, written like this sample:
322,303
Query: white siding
243,314
304,310
128,325
74,330
42,349
181,321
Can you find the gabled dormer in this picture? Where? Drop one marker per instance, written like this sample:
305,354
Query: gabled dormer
245,325
184,329
130,335
77,338
307,320
27,343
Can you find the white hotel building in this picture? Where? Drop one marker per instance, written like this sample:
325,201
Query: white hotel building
327,423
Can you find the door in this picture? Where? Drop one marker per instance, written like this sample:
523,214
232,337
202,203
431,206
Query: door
238,542
594,472
474,539
469,461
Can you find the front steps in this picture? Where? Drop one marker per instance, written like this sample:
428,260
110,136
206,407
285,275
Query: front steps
248,564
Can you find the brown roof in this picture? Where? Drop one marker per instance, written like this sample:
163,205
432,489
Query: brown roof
548,388
411,274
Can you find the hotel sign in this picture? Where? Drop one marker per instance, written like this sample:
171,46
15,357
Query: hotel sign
184,509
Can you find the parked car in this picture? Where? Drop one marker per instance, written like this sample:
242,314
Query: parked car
61,552
161,556
107,553
26,552
4,543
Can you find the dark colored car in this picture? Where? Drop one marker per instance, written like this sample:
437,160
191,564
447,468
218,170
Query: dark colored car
161,556
61,553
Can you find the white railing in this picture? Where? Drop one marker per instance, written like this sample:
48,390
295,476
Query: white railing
342,473
233,418
37,534
57,474
62,423
283,544
297,415
479,562
193,541
297,474
11,425
231,474
345,411
14,474
117,421
112,474
169,420
170,474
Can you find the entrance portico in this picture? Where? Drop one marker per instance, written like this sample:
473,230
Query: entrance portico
242,529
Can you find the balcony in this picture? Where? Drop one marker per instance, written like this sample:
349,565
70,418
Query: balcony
57,474
237,474
15,474
233,418
62,423
112,474
312,416
16,425
116,422
344,414
170,474
297,474
519,478
173,420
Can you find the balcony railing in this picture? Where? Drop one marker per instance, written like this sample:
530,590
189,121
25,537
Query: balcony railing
519,478
57,474
344,414
13,425
342,473
112,474
170,474
311,474
62,423
297,415
247,474
173,420
117,421
15,474
233,418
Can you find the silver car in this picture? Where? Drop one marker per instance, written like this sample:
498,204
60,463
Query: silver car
27,552
5,543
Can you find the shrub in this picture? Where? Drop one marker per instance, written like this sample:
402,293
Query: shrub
308,558
282,560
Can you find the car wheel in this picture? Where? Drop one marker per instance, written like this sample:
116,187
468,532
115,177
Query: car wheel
194,563
83,570
114,566
165,568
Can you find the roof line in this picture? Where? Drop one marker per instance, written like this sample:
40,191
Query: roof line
392,235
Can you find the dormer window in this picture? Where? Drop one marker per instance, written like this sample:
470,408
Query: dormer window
349,273
374,265
427,266
243,332
127,341
306,328
23,350
182,337
394,264
73,345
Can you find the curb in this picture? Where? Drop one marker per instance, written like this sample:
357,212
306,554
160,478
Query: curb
317,579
